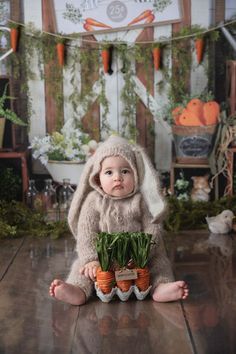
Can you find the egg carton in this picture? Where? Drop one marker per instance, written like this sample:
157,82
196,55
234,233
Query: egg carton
123,295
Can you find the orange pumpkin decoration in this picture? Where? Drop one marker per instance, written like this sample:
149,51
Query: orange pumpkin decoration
189,119
211,111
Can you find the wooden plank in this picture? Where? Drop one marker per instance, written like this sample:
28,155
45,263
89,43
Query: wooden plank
30,320
8,251
134,326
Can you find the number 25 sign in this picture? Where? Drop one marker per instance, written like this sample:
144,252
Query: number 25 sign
86,16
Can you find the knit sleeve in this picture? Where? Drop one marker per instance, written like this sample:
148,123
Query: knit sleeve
158,263
87,229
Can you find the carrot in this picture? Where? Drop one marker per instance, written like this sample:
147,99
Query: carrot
105,60
211,111
124,285
60,53
88,27
150,19
105,325
199,46
188,118
92,22
141,17
14,38
156,52
143,280
105,280
196,106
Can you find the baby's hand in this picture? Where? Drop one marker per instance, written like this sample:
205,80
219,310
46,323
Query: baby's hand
90,269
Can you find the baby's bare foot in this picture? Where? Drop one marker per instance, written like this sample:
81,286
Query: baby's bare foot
68,293
173,291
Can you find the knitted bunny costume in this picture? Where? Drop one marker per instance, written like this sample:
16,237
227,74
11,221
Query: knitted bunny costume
93,211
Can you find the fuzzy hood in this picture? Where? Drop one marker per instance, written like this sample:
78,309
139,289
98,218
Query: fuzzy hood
145,177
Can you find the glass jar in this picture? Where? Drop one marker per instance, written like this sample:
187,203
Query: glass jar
65,196
32,195
49,201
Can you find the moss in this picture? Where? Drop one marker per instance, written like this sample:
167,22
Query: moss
16,220
189,215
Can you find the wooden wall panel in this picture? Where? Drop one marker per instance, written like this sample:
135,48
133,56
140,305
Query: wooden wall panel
186,21
91,120
53,109
19,137
144,119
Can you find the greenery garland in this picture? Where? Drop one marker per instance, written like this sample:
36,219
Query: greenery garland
32,40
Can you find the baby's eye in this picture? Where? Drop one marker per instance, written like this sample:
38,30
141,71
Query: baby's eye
125,171
108,172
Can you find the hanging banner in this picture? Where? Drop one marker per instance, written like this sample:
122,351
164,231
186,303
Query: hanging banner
88,16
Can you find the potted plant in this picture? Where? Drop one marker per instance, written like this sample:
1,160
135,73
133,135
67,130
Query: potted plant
105,277
64,153
140,248
6,113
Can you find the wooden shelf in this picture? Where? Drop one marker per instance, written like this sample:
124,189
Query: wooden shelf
175,166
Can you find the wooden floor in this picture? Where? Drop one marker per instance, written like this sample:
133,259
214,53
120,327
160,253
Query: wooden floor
32,322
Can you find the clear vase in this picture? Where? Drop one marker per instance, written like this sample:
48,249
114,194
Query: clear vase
65,196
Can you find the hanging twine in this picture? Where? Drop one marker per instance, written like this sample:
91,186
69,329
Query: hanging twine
164,40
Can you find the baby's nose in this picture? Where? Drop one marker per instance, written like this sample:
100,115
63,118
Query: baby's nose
117,176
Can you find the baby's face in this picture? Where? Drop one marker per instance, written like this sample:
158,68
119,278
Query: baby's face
116,176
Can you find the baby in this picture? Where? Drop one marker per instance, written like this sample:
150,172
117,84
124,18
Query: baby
118,191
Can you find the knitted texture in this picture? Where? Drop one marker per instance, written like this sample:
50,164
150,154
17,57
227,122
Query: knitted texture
92,211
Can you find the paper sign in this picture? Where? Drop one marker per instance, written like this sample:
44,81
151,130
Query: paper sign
126,274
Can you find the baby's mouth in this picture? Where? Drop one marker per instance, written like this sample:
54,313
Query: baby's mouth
118,187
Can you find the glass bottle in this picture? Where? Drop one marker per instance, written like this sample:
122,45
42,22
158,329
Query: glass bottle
32,195
49,201
65,196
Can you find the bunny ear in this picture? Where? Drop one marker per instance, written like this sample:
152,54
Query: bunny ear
80,195
149,184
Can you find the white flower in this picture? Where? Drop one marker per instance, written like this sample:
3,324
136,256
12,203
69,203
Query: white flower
69,144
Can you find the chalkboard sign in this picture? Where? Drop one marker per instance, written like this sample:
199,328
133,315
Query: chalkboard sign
193,146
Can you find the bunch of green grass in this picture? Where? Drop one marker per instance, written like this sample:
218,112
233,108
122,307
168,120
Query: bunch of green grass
140,248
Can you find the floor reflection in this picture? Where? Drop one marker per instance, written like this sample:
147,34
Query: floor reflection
208,265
